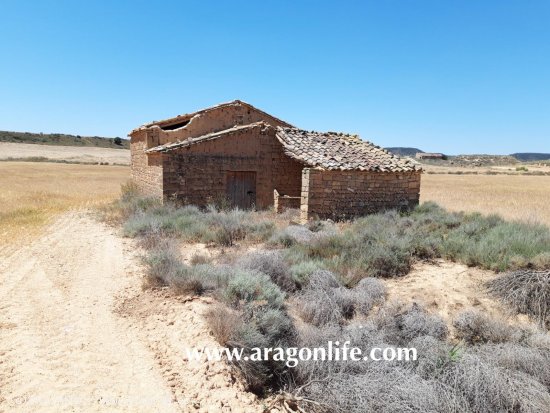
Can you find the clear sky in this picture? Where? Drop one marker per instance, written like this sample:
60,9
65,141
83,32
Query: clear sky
451,76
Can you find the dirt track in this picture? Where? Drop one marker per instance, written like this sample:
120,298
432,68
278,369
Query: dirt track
78,334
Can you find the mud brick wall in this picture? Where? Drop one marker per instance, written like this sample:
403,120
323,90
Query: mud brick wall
214,120
348,194
146,171
197,174
284,202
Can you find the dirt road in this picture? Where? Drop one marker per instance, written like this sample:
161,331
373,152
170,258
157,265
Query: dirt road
77,333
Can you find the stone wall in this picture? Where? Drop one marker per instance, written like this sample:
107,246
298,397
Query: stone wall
348,194
197,174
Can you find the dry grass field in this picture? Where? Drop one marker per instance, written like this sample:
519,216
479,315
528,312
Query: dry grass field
32,193
523,198
71,154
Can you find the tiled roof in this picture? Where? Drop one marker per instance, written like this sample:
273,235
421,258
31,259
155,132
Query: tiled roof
214,135
337,151
329,150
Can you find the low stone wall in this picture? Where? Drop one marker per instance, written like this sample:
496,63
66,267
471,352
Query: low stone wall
283,202
349,194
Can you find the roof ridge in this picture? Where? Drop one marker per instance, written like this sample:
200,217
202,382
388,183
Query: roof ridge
204,110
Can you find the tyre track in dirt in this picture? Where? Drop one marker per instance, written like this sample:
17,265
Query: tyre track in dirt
78,334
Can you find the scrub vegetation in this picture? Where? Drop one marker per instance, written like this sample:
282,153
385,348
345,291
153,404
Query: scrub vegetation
305,285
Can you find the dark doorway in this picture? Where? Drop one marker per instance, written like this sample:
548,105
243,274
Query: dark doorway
241,189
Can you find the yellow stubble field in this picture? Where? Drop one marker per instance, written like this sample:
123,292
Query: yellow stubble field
516,197
32,193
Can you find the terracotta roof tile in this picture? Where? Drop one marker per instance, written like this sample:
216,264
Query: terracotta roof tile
337,151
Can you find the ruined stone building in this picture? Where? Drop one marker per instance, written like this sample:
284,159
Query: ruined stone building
239,153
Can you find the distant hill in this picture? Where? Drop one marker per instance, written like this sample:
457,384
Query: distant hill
404,151
528,157
63,140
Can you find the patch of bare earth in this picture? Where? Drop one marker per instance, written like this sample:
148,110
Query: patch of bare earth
77,333
447,288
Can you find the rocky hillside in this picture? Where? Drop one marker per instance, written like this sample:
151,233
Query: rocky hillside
401,151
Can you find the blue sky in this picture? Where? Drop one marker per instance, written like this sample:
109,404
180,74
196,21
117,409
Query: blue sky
450,76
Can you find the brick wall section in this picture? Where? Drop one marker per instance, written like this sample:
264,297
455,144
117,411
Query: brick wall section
197,174
283,202
146,171
215,120
348,194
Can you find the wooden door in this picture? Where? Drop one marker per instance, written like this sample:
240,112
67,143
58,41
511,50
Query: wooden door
241,189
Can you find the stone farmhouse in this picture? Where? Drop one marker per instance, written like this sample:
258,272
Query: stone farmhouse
236,152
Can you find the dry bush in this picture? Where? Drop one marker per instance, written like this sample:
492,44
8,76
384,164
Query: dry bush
533,362
526,291
252,327
474,327
197,259
272,264
382,388
368,293
324,300
542,261
490,388
224,323
324,306
433,356
323,279
484,378
400,324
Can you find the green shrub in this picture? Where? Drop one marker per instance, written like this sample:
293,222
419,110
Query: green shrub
301,271
163,265
245,286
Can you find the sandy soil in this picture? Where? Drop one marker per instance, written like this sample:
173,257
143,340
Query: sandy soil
77,333
448,288
68,153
